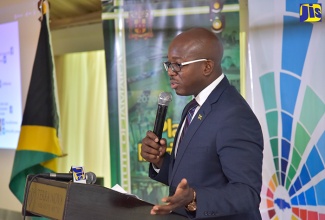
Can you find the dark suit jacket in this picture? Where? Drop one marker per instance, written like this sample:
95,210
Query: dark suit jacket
220,156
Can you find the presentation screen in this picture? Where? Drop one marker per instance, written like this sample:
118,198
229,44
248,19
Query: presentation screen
19,28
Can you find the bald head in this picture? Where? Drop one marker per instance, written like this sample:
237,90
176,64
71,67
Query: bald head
200,43
201,52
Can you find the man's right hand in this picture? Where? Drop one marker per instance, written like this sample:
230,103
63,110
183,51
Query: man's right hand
153,150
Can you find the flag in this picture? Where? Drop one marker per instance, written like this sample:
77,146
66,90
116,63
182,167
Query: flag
38,146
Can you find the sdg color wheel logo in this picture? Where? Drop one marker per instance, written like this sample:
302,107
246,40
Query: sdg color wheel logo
295,112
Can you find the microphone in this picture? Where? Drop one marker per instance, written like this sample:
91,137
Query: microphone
90,177
163,101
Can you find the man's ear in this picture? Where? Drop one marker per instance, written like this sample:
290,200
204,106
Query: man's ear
209,65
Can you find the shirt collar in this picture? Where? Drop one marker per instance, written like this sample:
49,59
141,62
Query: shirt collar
203,95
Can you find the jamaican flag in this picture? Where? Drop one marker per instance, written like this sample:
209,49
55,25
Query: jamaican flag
38,145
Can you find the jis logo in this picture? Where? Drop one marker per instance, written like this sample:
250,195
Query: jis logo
310,12
78,173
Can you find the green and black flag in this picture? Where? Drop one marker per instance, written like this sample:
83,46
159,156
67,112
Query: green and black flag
38,146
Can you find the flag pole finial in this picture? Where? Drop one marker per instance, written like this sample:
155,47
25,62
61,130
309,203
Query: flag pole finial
42,7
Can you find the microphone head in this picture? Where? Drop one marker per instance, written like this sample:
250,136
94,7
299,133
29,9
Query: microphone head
164,98
90,178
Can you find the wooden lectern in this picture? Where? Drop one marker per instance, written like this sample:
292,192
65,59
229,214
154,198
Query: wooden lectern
76,201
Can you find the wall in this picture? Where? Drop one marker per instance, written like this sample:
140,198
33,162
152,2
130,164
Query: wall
7,199
77,39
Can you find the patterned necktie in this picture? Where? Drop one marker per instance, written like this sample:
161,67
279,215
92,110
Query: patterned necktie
191,106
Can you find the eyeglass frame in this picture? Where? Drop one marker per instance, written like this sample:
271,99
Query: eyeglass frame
168,64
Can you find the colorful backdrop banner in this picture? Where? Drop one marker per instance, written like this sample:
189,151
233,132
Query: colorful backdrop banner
136,43
285,80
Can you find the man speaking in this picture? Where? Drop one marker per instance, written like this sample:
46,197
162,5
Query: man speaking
215,168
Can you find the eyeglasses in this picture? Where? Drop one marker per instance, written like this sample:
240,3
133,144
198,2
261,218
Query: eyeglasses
176,67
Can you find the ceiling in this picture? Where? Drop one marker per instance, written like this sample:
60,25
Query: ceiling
67,13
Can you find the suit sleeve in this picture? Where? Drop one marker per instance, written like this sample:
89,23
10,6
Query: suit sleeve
162,176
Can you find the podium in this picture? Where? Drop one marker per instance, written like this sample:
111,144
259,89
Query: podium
76,201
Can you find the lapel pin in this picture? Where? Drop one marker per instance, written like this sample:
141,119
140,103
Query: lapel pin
199,117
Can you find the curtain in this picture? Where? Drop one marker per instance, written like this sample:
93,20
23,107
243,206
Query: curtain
82,93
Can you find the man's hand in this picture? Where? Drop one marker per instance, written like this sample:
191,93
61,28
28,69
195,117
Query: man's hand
182,197
153,150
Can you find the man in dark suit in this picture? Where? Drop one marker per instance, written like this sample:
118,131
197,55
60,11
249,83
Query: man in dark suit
215,168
